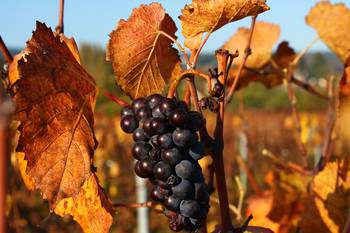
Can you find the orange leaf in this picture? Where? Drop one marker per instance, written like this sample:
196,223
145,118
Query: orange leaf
331,21
265,36
90,208
143,59
54,99
344,102
209,15
331,189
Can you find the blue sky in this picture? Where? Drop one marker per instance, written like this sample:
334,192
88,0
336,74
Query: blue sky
91,21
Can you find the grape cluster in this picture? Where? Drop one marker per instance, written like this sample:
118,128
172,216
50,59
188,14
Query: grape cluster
212,102
167,151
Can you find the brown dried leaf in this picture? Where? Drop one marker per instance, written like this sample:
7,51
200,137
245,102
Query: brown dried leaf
344,104
331,21
54,99
143,59
22,166
90,207
265,36
209,15
332,194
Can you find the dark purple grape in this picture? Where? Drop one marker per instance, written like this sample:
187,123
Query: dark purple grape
140,150
146,125
201,193
143,113
185,169
163,184
138,103
204,103
178,118
172,203
197,222
126,111
139,135
165,141
172,156
183,137
138,170
157,195
157,112
190,208
158,126
196,121
173,180
196,151
162,171
129,124
184,190
167,106
154,100
146,167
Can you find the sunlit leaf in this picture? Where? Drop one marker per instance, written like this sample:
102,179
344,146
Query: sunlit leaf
143,59
209,15
331,22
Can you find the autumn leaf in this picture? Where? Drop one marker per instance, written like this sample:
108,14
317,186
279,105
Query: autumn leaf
265,36
89,207
142,57
209,15
344,107
331,195
330,21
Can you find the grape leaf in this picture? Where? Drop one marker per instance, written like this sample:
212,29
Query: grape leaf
89,207
344,107
143,59
330,21
209,15
331,197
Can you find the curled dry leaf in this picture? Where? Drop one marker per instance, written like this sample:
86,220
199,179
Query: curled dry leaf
330,21
143,59
209,15
265,36
54,98
331,198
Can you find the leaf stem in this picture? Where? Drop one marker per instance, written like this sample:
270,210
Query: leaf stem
4,50
60,26
115,99
195,60
148,204
305,50
247,53
306,86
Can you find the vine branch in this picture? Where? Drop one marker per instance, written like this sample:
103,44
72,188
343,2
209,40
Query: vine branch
247,53
5,51
195,59
60,26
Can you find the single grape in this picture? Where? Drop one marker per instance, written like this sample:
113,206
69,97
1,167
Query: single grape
165,141
126,111
173,180
146,167
139,135
154,100
162,171
183,137
172,156
140,150
129,124
185,169
146,125
157,112
196,151
172,203
201,193
196,121
204,103
158,126
184,190
138,170
163,184
167,106
217,90
190,208
182,105
143,113
138,103
197,222
157,195
178,118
